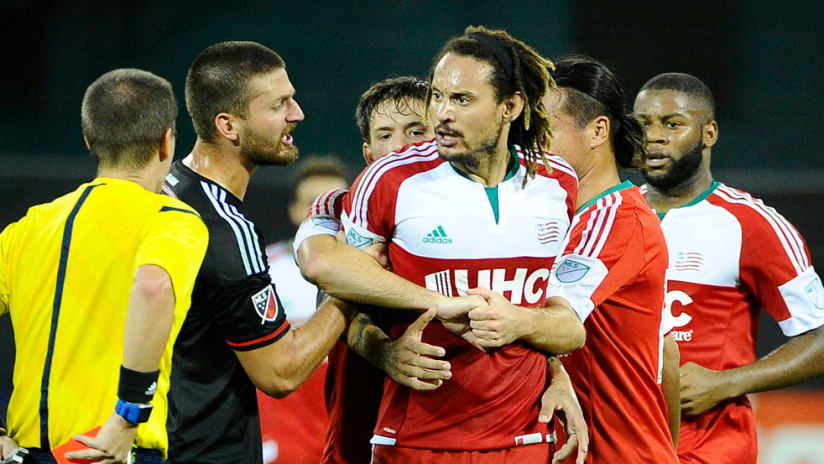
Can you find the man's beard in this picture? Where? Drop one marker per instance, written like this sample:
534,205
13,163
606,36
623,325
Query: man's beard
472,160
680,171
263,151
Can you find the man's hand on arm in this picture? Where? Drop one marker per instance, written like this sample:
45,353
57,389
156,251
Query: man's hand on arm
554,328
353,275
560,399
281,367
407,360
799,359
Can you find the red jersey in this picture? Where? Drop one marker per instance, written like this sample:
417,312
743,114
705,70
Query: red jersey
613,273
353,384
731,255
449,233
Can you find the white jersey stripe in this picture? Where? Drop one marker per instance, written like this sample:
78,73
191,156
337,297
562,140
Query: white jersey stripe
555,162
378,168
613,210
317,207
792,254
255,239
250,246
221,213
794,240
587,231
372,171
789,231
603,205
329,205
365,190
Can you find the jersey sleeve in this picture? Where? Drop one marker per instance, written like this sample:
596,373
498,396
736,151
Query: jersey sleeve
568,180
245,306
776,267
604,251
323,218
369,209
176,240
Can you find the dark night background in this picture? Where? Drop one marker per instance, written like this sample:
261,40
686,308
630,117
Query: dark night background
763,61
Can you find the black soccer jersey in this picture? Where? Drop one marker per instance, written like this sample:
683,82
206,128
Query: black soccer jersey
213,414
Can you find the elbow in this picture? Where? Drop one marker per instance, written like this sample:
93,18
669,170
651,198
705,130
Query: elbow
314,264
279,387
573,339
152,284
577,339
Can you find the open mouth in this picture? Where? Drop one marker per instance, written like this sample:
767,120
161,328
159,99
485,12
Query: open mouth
287,139
656,160
446,138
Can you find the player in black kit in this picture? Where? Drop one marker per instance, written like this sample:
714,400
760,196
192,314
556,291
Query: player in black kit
236,336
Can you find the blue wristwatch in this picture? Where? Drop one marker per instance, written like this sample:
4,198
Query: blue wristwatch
132,412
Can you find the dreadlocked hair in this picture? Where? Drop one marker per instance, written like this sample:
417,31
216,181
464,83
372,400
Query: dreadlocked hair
530,76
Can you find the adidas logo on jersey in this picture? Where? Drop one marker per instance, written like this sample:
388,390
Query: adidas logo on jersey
437,236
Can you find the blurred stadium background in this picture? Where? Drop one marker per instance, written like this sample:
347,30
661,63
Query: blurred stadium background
763,60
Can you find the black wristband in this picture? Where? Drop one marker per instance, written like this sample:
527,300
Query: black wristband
137,387
3,429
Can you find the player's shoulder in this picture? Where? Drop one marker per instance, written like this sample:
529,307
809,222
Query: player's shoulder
750,211
558,167
395,167
329,204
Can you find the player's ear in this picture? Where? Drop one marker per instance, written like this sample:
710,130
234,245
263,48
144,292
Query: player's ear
226,126
367,154
513,107
709,134
598,130
167,145
86,140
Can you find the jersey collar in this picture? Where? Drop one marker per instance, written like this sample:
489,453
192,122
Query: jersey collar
703,196
512,167
623,185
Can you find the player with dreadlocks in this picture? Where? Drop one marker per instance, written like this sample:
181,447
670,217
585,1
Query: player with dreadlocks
476,207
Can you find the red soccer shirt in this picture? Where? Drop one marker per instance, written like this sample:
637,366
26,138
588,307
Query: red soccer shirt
731,255
613,273
450,234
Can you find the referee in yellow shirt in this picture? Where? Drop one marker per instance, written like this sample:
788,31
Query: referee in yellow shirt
98,283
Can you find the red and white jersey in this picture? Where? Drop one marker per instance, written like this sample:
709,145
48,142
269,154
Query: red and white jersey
730,256
449,233
613,273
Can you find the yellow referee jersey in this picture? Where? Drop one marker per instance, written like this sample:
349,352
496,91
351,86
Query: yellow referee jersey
66,270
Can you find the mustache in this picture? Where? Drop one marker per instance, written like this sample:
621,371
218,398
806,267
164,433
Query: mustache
289,128
445,129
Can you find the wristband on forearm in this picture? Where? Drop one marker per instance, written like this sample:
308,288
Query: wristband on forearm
135,393
137,387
